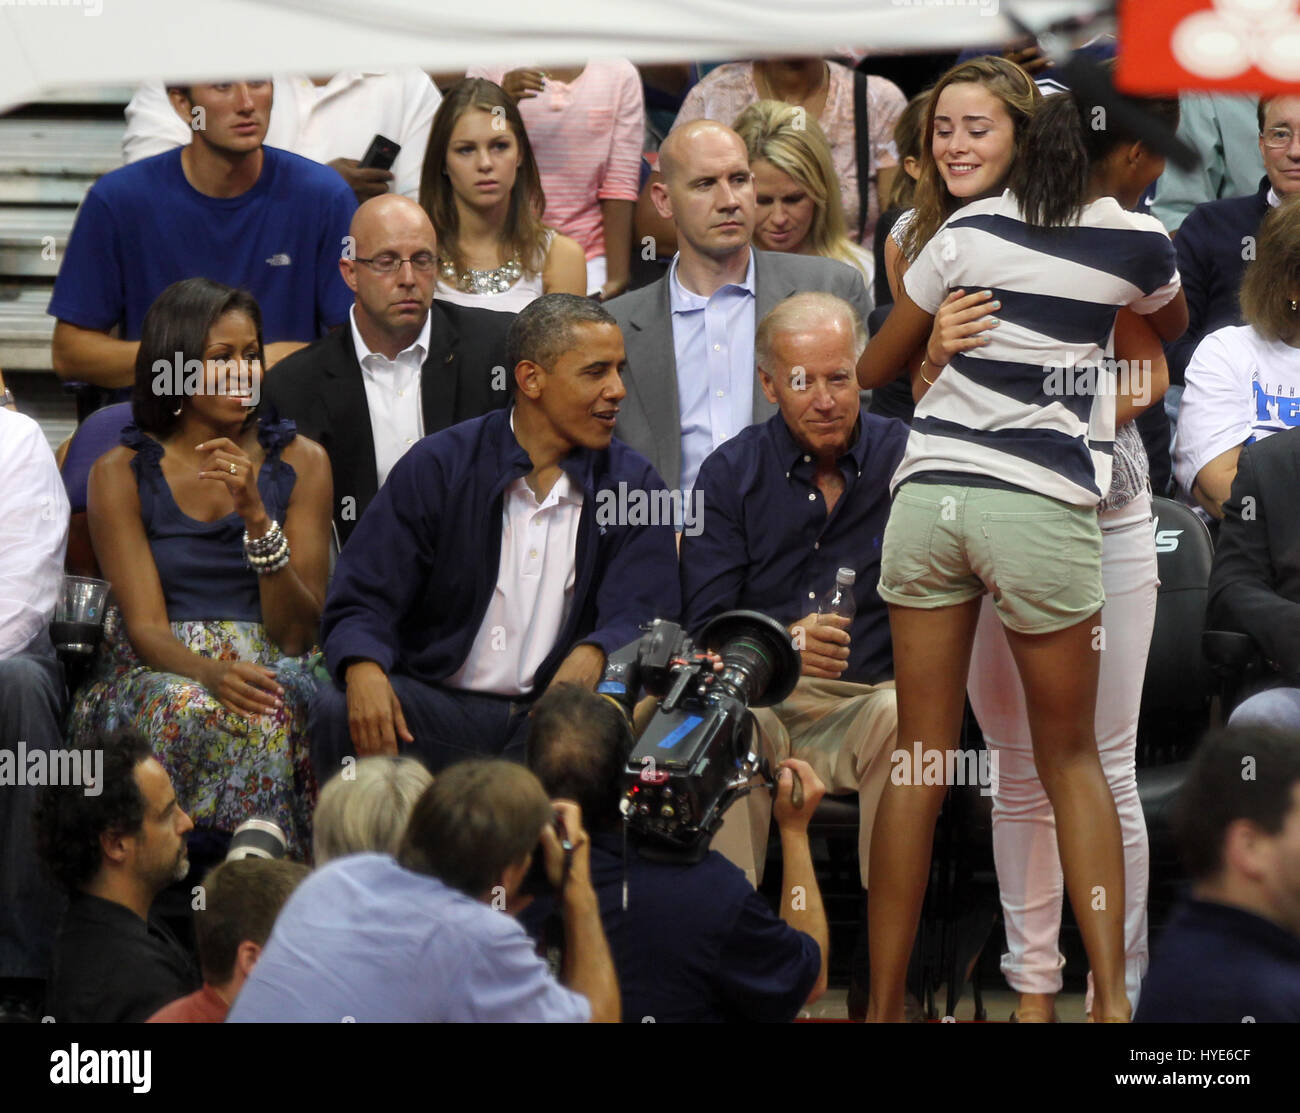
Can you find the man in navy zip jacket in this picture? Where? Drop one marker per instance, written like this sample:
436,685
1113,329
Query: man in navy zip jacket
501,555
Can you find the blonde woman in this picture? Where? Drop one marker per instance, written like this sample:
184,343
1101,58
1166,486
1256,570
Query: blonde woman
798,207
365,809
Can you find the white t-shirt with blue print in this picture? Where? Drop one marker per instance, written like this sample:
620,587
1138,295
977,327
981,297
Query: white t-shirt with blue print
1241,387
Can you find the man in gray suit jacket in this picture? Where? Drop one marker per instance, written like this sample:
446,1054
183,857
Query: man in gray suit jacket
690,336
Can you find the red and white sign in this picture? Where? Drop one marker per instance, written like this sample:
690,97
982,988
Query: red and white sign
1242,46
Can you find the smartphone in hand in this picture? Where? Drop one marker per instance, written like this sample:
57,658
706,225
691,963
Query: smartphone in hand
380,155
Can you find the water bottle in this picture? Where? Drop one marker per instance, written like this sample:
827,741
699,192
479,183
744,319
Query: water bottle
839,600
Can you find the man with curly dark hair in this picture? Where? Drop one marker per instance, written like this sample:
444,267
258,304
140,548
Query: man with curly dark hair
115,846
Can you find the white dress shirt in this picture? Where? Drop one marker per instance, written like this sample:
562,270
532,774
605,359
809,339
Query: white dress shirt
335,120
33,532
392,396
534,589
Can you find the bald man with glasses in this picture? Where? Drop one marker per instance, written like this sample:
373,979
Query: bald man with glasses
402,367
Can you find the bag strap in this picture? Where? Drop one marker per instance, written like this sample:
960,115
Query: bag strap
862,143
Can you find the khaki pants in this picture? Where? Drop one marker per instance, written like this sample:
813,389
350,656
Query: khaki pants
846,732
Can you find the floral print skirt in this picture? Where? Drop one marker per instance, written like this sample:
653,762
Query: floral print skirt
225,766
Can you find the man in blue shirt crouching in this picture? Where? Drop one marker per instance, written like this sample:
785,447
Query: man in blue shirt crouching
429,936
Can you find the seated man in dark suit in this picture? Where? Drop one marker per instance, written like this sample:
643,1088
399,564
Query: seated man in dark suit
115,839
496,560
404,367
693,942
1231,954
1255,580
1217,240
690,336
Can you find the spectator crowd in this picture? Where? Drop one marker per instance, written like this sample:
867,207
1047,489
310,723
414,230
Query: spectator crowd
366,456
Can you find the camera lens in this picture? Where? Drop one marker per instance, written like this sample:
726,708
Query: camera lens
747,668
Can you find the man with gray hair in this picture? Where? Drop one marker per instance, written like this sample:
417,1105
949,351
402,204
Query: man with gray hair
485,569
789,503
365,809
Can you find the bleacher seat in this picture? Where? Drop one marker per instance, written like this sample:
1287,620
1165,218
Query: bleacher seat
50,155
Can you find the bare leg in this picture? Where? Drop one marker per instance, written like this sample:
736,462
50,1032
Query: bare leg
1036,1008
1059,674
931,659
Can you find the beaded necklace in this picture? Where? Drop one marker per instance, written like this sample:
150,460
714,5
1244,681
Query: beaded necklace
470,281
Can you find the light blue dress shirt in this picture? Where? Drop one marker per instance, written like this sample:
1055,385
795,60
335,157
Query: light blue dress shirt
713,341
363,939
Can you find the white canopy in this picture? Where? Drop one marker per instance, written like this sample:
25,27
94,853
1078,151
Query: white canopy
50,45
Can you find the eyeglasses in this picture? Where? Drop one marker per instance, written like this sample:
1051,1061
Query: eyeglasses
388,262
1278,137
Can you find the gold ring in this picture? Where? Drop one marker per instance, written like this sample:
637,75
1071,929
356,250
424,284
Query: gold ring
233,469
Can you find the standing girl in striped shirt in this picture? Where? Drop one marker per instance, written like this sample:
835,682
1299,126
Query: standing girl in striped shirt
1009,455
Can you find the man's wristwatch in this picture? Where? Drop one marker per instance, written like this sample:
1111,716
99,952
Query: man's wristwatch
7,399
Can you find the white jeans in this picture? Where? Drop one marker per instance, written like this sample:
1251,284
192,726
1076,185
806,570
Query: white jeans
1024,827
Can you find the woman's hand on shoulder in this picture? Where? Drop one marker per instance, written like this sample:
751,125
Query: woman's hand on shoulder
566,268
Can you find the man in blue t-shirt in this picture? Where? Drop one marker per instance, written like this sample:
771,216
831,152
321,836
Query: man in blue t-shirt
691,941
226,208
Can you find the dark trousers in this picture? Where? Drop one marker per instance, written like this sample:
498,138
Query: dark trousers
448,725
31,904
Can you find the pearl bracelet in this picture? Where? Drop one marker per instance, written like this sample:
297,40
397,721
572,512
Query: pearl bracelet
269,542
274,564
268,553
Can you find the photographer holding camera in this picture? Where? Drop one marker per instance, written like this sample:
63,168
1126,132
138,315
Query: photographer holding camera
423,937
692,941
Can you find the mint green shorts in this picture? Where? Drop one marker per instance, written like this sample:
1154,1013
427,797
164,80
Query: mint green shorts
1040,559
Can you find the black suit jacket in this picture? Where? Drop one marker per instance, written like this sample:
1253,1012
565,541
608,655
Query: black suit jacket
1213,245
321,388
1255,582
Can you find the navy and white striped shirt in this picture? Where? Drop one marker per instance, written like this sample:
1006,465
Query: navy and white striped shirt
1035,408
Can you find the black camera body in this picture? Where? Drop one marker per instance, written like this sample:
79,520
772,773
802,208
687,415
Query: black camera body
535,881
694,759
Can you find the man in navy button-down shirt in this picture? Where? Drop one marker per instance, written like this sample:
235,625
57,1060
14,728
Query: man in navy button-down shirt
489,565
785,504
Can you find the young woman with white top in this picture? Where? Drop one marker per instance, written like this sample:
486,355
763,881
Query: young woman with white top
481,188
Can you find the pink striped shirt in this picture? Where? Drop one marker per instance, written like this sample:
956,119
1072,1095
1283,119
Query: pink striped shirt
587,137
